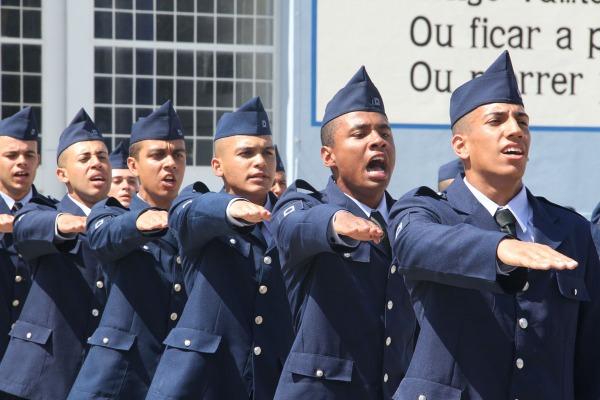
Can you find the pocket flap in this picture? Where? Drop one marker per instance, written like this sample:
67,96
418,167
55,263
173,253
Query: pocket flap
112,338
31,332
414,388
193,339
320,366
572,287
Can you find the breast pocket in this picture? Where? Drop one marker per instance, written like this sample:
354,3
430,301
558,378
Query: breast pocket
572,287
413,389
30,345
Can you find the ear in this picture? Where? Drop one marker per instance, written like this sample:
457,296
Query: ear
328,156
62,175
460,145
217,167
132,164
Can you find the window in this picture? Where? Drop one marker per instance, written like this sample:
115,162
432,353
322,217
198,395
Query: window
21,57
208,56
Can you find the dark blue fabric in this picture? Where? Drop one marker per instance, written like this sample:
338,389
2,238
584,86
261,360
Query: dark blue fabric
118,157
279,166
451,169
339,298
143,270
359,94
470,335
81,129
162,124
233,277
250,119
21,125
48,341
595,218
15,280
498,84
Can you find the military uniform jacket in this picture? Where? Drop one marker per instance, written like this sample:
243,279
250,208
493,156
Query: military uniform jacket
15,280
483,338
48,341
352,317
146,297
235,331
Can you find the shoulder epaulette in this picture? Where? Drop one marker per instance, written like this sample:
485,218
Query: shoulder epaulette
572,211
429,192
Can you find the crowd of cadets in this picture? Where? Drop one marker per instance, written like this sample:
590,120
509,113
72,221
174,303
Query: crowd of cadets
128,288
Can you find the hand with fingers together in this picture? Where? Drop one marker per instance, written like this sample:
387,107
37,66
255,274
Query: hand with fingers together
347,224
248,212
6,223
532,255
152,220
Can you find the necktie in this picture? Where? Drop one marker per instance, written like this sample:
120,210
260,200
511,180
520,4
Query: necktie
16,207
377,218
506,221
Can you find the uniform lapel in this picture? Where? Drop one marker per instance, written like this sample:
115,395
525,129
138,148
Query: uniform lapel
546,227
462,200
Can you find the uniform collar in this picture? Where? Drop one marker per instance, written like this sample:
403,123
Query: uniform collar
10,202
518,205
71,206
337,197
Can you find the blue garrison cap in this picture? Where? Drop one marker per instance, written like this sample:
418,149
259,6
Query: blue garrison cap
498,84
20,126
279,167
118,157
162,124
359,94
450,170
81,129
250,119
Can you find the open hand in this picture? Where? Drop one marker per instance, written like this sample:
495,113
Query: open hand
532,255
357,228
249,212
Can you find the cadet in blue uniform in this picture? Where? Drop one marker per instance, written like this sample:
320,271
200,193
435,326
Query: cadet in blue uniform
48,341
235,331
280,180
353,321
124,184
506,285
449,171
140,256
19,159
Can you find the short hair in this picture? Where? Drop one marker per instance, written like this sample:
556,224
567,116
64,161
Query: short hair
460,125
134,150
327,133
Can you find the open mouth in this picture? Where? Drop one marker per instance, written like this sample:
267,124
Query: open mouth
377,168
513,151
21,174
98,178
169,180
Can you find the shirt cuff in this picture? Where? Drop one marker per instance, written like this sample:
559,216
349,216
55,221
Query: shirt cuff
340,240
503,269
64,236
235,221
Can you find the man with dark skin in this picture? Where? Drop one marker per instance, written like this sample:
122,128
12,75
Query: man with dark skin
353,321
505,284
140,257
